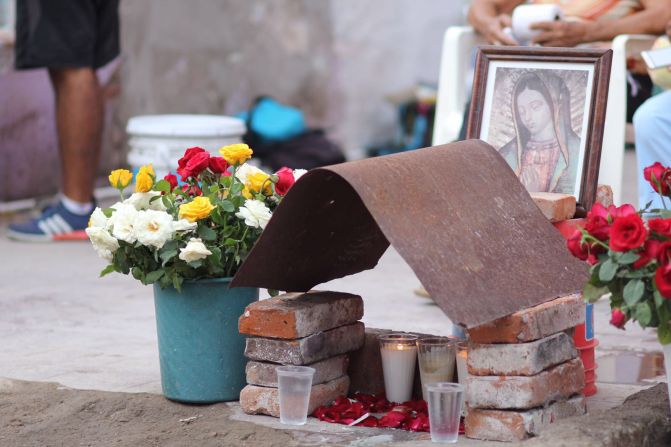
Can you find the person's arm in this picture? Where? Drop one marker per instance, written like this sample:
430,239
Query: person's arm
651,20
489,17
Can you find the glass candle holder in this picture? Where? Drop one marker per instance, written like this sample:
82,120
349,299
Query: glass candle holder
399,357
462,360
436,357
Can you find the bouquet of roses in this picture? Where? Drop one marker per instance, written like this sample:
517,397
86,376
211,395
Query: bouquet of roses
631,258
167,233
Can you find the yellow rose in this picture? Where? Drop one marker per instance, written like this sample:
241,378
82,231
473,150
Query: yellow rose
259,180
120,178
145,179
198,208
236,154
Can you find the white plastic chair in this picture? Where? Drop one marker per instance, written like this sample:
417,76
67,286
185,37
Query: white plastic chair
455,65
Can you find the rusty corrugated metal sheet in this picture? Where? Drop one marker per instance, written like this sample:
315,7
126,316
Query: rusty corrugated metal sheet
456,213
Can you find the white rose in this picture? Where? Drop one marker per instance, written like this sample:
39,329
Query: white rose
123,222
154,228
142,201
298,173
98,219
194,250
245,170
184,225
103,242
255,213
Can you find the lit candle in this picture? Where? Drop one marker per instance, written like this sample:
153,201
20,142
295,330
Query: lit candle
462,359
399,356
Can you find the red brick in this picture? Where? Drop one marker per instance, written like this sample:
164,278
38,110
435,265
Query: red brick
533,323
520,359
261,400
297,315
523,392
512,425
263,374
556,207
310,349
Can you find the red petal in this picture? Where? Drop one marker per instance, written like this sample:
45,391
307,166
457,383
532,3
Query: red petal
393,419
370,421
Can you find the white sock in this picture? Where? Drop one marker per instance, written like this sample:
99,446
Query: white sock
75,207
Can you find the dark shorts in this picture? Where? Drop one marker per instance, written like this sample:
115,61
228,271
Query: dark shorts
66,33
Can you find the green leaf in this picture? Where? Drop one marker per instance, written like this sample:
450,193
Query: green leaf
137,273
227,206
177,282
607,270
107,270
659,299
237,188
633,292
643,314
628,258
154,276
634,274
108,212
228,242
664,333
207,233
166,202
162,185
592,293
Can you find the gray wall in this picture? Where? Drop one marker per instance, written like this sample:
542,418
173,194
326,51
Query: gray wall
336,59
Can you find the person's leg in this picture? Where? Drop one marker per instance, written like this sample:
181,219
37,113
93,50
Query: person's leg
79,121
652,123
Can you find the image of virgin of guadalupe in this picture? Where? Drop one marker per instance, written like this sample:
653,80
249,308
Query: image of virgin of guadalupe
544,151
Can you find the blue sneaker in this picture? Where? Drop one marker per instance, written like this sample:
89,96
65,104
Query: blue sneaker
55,223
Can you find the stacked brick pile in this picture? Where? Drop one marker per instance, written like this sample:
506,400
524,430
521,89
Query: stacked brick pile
524,371
316,329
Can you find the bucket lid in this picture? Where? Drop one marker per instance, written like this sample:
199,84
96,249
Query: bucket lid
185,126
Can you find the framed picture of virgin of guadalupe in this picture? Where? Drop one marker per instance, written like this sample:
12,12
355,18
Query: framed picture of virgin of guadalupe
543,109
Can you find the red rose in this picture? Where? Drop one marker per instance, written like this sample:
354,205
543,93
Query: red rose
663,254
286,180
188,154
193,162
172,179
663,280
219,166
660,226
618,318
649,253
627,233
582,250
623,211
658,176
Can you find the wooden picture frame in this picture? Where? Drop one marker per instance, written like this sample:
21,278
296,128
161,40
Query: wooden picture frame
544,110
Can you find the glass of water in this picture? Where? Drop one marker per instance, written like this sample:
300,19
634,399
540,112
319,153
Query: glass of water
295,384
445,401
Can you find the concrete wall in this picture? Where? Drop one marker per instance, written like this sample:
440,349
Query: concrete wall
336,59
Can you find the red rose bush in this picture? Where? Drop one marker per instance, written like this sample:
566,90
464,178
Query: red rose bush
630,258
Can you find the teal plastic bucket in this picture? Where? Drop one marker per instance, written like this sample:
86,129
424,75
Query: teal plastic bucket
200,350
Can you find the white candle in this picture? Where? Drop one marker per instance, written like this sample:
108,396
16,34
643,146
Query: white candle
399,356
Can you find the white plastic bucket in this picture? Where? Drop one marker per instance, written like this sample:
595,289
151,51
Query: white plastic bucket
162,139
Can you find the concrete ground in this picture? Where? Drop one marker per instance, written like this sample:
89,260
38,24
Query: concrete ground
60,322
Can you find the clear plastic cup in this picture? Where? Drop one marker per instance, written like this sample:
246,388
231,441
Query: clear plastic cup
445,402
295,384
436,356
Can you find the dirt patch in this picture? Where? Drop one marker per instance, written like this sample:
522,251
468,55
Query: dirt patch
46,414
